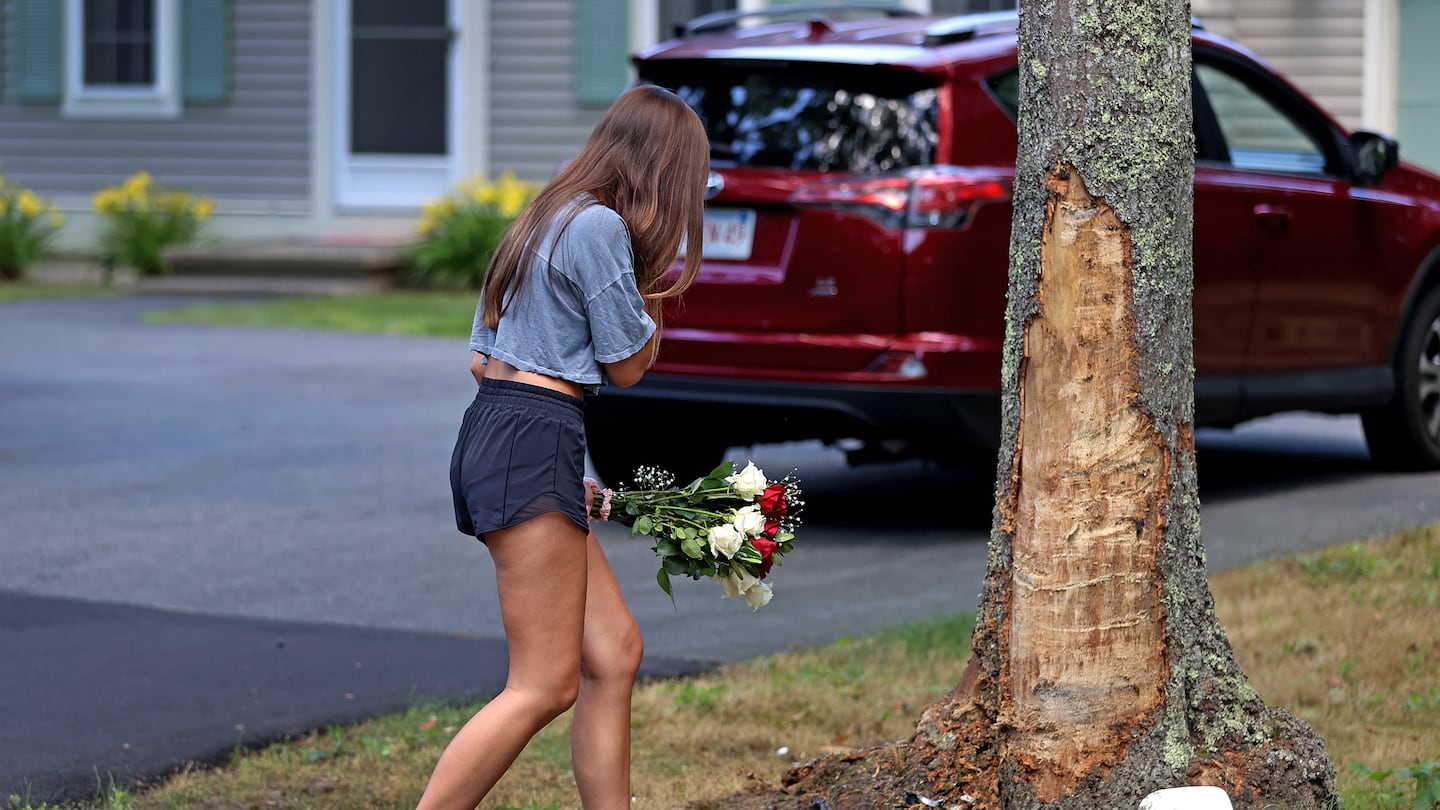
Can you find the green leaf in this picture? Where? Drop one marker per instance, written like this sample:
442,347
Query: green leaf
726,468
643,524
676,565
663,579
692,549
747,553
667,548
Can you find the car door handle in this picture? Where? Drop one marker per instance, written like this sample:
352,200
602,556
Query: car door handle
1272,217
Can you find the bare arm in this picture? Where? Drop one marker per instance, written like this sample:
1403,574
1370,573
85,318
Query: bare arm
627,372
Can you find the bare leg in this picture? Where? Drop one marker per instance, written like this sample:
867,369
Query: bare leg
609,659
540,572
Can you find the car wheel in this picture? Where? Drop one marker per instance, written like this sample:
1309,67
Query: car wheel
615,457
1405,434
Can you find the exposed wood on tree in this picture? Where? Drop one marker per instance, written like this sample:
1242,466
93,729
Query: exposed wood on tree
1087,646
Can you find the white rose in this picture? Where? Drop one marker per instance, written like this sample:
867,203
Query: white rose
725,540
758,596
747,483
737,583
729,585
750,521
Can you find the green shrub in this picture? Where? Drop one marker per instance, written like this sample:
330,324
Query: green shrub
142,219
28,225
461,230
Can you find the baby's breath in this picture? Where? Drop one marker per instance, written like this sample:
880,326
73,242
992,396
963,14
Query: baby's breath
653,478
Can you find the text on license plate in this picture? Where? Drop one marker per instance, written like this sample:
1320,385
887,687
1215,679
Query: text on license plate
729,233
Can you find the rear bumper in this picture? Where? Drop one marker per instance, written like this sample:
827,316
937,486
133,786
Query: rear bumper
908,419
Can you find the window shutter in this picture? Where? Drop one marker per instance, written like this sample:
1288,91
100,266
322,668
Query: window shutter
204,51
602,33
38,24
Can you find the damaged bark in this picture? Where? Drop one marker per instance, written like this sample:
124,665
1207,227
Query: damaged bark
1087,647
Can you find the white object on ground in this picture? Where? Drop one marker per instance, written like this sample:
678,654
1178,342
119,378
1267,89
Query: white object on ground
1197,797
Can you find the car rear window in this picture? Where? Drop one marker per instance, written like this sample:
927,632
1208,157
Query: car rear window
812,117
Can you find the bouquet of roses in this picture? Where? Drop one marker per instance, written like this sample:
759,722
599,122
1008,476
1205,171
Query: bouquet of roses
728,526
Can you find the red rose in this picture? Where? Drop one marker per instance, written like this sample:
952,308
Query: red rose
772,501
766,547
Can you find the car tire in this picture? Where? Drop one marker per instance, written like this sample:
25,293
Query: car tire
615,456
1405,434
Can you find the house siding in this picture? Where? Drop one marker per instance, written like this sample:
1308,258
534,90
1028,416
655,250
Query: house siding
535,120
251,150
1317,44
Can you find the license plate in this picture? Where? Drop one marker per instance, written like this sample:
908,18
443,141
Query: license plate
729,233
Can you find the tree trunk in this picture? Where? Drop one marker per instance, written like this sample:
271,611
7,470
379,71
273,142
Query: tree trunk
1100,672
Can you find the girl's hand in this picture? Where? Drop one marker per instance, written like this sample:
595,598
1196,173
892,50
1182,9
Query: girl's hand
593,488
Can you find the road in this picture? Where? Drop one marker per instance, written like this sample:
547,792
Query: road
302,477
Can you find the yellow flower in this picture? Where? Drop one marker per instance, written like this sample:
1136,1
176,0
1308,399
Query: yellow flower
109,200
30,205
512,195
136,190
204,208
486,194
137,183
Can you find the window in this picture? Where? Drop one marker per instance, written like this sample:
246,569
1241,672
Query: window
119,43
121,59
825,118
1257,133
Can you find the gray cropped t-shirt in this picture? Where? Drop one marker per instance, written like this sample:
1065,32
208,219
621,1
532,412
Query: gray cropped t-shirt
579,305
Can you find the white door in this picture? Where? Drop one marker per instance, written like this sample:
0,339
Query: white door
395,102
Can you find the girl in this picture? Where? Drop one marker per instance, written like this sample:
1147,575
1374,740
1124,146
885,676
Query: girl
571,299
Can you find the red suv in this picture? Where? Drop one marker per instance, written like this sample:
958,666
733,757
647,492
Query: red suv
853,289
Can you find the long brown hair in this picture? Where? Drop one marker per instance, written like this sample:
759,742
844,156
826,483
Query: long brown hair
647,160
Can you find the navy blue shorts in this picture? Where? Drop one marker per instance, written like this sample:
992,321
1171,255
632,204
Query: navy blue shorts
520,454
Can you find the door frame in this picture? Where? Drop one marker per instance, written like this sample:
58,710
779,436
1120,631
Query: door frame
390,182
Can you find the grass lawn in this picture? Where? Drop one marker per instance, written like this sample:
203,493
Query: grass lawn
1345,638
21,290
399,313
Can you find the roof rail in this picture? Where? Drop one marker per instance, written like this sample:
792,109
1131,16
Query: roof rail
967,26
726,20
959,29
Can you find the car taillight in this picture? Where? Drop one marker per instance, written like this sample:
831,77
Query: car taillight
926,198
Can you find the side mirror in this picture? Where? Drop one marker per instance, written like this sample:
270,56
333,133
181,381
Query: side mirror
1375,154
